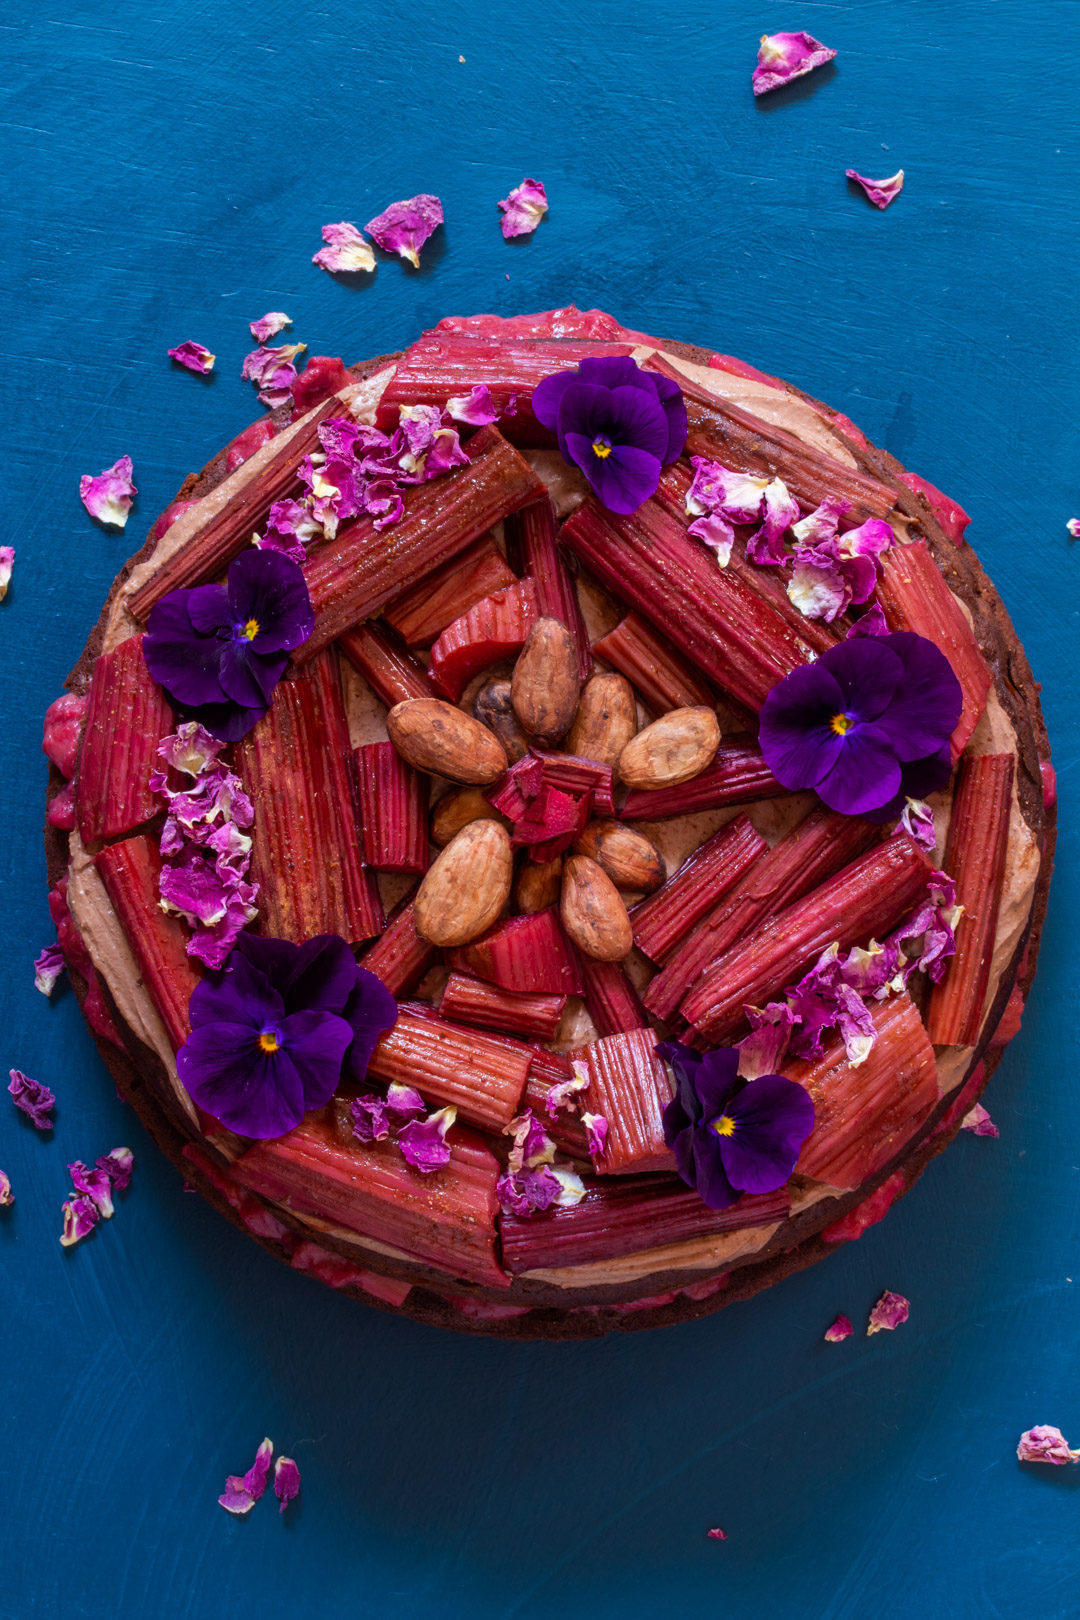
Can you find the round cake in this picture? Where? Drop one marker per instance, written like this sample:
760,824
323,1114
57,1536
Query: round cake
551,831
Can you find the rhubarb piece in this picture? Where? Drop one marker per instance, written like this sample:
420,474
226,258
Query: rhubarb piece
949,513
400,957
613,1003
353,575
494,628
513,794
126,718
553,821
975,857
629,1086
913,595
238,451
296,766
392,673
663,677
420,613
446,1219
212,548
619,1217
482,1076
576,776
820,845
62,729
668,916
531,541
737,775
530,1017
529,953
130,871
566,1129
393,809
861,902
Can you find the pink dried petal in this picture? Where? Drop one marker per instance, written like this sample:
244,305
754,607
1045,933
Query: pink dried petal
736,495
596,1127
93,1184
32,1098
242,1491
369,1121
917,821
717,533
932,930
817,586
762,1051
1073,527
212,945
7,562
571,1187
48,968
476,409
423,1141
286,1482
890,1310
524,209
1046,1444
80,1218
872,623
716,1534
880,192
194,357
268,326
108,496
566,1093
118,1166
840,1329
783,57
7,1197
290,527
779,510
403,1103
346,249
405,226
190,749
978,1122
525,1192
272,372
531,1144
822,523
195,889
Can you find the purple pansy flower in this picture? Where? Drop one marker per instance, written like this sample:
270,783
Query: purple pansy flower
272,1036
848,724
730,1135
219,650
619,424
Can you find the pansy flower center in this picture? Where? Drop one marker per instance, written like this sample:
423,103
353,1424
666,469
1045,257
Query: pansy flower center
724,1126
841,724
269,1041
250,630
601,446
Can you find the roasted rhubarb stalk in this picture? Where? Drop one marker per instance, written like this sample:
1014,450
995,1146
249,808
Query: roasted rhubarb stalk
482,1076
126,718
667,917
619,1217
613,1003
530,954
297,767
492,629
629,1086
353,575
864,1116
392,672
863,901
466,1000
212,548
914,596
531,542
399,957
737,775
130,872
975,858
425,609
549,1069
393,809
662,677
820,845
445,1218
586,778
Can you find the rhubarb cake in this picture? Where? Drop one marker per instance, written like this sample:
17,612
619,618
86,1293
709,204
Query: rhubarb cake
551,831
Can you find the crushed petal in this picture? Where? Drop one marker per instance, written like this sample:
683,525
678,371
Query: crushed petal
716,1534
118,1165
931,932
32,1098
917,821
783,57
523,209
93,1184
7,562
840,1329
80,1218
345,249
762,1051
880,192
596,1127
108,496
978,1122
890,1310
194,357
242,1491
48,967
269,325
567,1093
404,227
286,1482
1046,1444
272,371
7,1197
423,1141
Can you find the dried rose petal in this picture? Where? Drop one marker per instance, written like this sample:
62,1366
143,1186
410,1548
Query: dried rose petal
404,227
286,1481
345,249
7,561
48,968
978,1122
890,1310
272,372
840,1329
565,1092
571,1187
423,1141
108,496
716,1534
1073,527
80,1218
190,749
93,1184
403,1103
118,1165
194,357
477,408
880,192
269,326
32,1098
917,821
7,1197
783,57
1046,1444
242,1491
596,1127
523,209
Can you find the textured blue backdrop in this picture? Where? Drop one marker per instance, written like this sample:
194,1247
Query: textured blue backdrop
167,170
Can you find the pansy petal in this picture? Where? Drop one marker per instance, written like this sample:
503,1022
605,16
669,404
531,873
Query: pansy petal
864,775
183,662
927,705
316,1043
623,479
868,673
255,1093
246,680
547,397
271,590
710,1178
370,1010
772,1118
243,995
798,742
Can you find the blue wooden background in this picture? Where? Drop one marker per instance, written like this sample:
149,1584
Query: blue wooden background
167,170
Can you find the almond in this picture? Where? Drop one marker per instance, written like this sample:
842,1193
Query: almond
673,749
466,886
492,706
546,684
456,809
538,885
606,719
625,854
592,911
436,737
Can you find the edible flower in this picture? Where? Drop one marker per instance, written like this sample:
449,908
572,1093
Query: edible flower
220,650
404,227
848,724
7,1197
108,496
523,210
719,497
269,325
345,249
290,528
286,1481
48,967
274,1033
566,1093
730,1135
890,1310
840,1329
532,1181
596,1129
242,1491
7,563
272,371
716,1534
930,931
978,1122
194,357
783,57
32,1099
880,192
80,1218
423,1141
833,570
619,424
1046,1444
374,1116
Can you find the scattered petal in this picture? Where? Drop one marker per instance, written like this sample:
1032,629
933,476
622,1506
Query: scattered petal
118,1165
7,562
1073,527
48,968
890,1310
32,1098
242,1491
108,496
567,1092
979,1123
404,227
423,1141
783,57
1046,1444
880,192
93,1184
476,409
7,1197
286,1481
716,1534
917,821
597,1128
269,326
80,1218
523,209
346,249
272,371
194,357
840,1329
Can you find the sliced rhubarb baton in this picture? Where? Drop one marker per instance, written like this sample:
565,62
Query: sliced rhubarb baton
585,777
862,902
482,1076
420,613
393,809
126,718
667,917
975,858
466,1000
389,669
738,775
297,766
629,1086
531,539
492,629
613,1003
662,677
528,953
130,872
400,957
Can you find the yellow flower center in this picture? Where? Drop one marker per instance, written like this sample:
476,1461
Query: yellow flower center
250,630
268,1041
601,448
724,1126
841,724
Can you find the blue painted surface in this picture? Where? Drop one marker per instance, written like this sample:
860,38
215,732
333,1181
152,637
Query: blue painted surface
167,171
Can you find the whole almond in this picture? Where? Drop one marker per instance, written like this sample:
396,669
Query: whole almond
592,911
606,719
456,809
493,707
436,737
626,855
466,886
545,685
673,749
538,885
